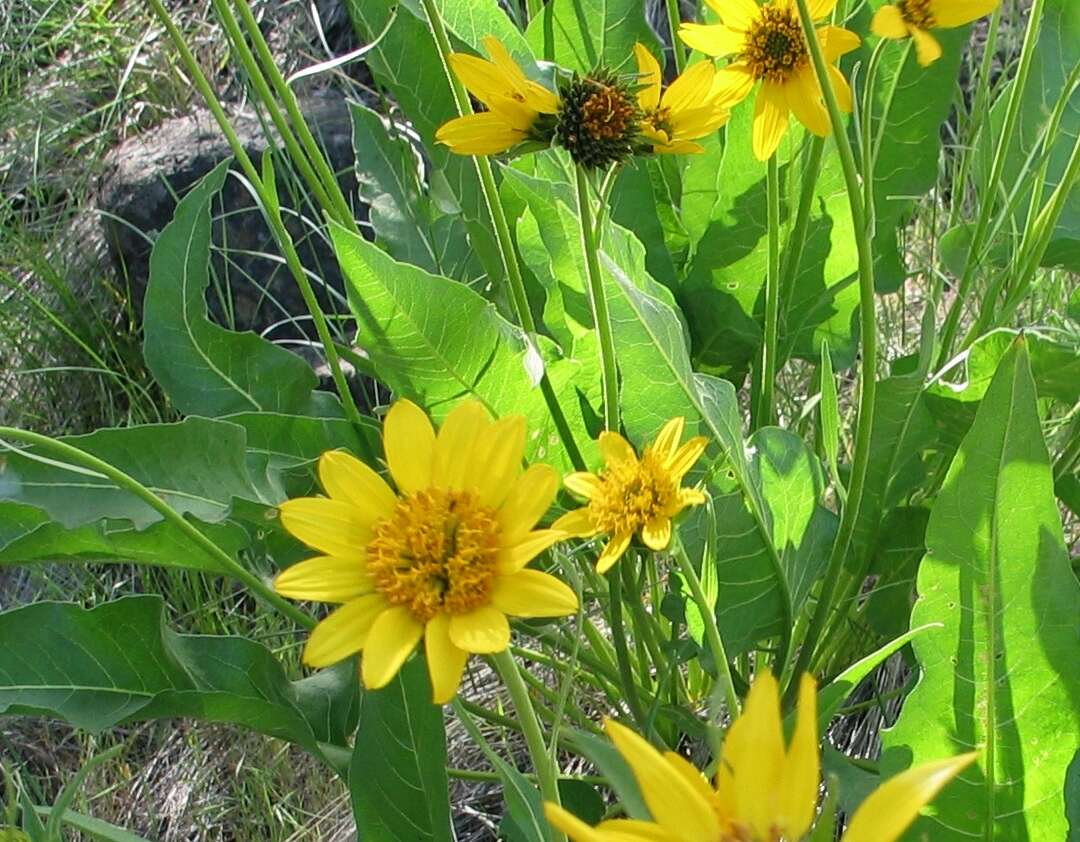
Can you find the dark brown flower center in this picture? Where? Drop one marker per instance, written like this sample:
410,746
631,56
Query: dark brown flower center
775,45
917,13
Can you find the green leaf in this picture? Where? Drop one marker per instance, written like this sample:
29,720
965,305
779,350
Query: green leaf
585,34
900,547
523,819
1000,675
119,663
436,341
398,781
202,367
605,757
474,20
93,828
829,412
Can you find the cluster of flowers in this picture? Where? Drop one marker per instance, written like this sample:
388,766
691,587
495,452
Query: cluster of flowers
603,118
443,557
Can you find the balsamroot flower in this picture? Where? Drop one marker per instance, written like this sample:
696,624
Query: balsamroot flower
763,791
517,107
443,558
690,108
634,495
768,46
598,120
915,18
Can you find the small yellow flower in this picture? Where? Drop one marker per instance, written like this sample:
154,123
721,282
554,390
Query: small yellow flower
441,559
915,18
514,104
768,46
632,495
763,791
690,108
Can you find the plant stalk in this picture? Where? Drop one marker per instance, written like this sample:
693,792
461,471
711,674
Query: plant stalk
766,412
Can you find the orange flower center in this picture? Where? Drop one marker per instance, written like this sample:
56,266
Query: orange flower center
917,13
774,45
632,494
436,553
607,114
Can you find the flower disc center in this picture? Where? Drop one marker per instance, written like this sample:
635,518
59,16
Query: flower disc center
917,13
607,114
775,45
632,494
436,553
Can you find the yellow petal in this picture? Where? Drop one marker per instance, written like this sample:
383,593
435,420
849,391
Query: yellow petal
712,39
804,100
657,533
325,579
532,593
770,119
577,524
334,527
409,442
633,830
446,663
690,88
343,632
571,825
513,558
668,438
738,14
950,13
890,808
502,59
821,8
681,147
676,805
685,457
498,459
686,770
479,134
536,96
346,478
889,23
927,48
455,447
690,497
615,449
732,84
527,502
484,630
612,552
753,757
392,638
837,41
649,78
797,794
484,79
583,484
843,90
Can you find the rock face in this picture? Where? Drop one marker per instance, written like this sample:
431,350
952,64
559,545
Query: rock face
145,176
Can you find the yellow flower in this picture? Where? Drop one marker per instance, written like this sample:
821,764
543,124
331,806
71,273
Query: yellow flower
916,18
768,45
634,495
441,559
514,104
690,108
763,791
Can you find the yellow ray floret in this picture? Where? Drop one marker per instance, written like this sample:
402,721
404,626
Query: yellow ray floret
767,45
764,790
443,558
514,103
916,18
633,495
691,107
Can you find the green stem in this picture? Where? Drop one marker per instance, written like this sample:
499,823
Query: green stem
270,207
507,254
622,654
674,19
765,414
868,361
997,169
712,630
543,761
598,301
127,482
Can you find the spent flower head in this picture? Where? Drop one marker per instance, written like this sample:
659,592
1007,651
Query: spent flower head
599,119
632,494
443,558
518,109
916,18
764,791
768,46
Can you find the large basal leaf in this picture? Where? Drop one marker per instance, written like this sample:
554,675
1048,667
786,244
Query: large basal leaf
1000,675
436,341
398,780
585,34
202,367
119,663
